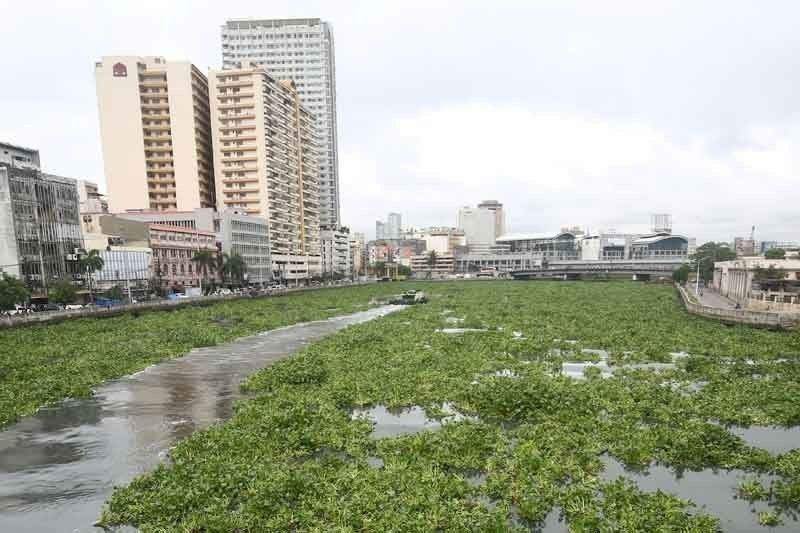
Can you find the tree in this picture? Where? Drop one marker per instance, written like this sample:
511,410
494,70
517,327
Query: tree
12,292
91,263
431,260
775,253
62,292
379,268
708,254
204,260
234,266
681,274
115,293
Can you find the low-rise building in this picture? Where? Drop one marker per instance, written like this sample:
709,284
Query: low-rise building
394,251
443,264
129,267
173,250
236,231
358,254
91,200
750,279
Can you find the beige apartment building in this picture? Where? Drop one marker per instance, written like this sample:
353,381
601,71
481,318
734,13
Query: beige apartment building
155,130
265,163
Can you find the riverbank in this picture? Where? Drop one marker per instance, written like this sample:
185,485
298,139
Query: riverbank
43,364
502,406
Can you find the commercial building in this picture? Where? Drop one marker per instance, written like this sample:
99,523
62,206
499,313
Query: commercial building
335,251
380,230
745,247
442,265
91,200
482,225
128,267
235,231
266,147
40,232
749,282
300,50
394,251
155,132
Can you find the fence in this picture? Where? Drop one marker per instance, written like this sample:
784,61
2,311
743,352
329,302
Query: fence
761,319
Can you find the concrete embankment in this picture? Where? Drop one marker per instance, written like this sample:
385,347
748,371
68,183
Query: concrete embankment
32,319
760,319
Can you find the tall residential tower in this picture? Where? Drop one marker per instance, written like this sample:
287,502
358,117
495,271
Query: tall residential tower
155,130
265,159
300,50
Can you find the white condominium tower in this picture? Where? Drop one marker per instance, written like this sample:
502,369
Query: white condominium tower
155,131
300,50
265,162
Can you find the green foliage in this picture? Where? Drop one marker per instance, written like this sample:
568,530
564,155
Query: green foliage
708,254
12,292
62,292
92,262
775,253
234,268
293,458
68,359
681,274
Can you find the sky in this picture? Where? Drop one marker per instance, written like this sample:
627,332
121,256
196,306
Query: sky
595,114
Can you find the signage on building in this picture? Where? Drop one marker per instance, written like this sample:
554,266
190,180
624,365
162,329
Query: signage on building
120,70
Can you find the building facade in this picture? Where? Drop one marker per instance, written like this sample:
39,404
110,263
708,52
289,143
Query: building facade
40,231
236,233
443,264
91,201
358,254
127,267
266,147
300,50
739,280
173,248
482,225
155,131
335,244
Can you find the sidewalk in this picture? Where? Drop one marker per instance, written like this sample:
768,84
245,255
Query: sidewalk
712,298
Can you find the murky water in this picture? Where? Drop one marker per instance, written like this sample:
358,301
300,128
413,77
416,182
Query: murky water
58,466
406,421
771,438
713,491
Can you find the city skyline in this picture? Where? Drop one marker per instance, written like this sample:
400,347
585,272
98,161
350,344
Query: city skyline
594,129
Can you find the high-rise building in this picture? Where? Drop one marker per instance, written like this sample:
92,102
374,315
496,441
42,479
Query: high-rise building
300,50
482,225
155,130
40,230
265,159
380,230
394,225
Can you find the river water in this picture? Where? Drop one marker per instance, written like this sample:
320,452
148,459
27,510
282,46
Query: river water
58,467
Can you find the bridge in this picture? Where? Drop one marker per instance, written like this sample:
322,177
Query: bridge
638,269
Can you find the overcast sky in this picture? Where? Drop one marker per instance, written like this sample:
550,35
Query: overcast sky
569,113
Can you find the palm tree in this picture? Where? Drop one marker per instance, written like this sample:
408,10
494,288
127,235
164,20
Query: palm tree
234,266
204,260
91,263
431,260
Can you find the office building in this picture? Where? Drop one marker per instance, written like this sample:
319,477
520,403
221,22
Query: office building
391,228
300,50
380,230
265,147
482,225
155,132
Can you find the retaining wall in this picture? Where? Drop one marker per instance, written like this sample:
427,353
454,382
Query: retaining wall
761,319
32,319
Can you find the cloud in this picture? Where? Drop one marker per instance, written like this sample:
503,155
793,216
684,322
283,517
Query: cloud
556,169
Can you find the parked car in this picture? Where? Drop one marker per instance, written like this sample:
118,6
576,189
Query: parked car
73,307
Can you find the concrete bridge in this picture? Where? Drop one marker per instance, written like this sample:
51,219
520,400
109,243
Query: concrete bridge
638,269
